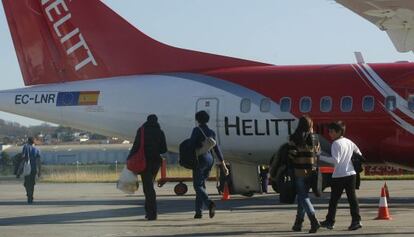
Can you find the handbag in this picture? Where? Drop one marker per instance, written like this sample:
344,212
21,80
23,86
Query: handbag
206,145
27,168
137,162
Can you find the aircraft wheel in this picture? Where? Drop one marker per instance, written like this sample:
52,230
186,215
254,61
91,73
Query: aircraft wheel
249,194
326,181
275,187
180,189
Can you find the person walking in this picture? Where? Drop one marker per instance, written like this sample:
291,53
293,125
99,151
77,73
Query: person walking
204,164
303,148
264,178
343,177
32,154
154,145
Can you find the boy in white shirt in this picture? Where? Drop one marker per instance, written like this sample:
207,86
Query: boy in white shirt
343,177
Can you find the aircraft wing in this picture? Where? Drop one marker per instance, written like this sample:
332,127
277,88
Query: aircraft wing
396,17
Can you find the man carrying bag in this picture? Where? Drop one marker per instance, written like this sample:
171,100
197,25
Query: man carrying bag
154,145
31,168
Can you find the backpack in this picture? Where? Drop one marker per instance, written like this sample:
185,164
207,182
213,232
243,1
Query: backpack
279,159
187,154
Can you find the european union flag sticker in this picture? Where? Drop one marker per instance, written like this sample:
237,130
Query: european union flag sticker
74,98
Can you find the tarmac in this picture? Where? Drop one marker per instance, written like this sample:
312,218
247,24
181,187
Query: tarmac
103,211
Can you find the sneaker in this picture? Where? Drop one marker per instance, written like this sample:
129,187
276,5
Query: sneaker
355,226
327,224
152,218
198,216
211,209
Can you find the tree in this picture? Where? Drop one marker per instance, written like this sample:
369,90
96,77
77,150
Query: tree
5,160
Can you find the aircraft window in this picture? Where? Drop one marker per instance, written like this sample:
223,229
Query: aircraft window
245,105
346,104
368,104
285,104
411,103
326,104
265,105
391,103
305,104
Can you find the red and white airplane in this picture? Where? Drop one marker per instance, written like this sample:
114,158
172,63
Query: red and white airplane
86,67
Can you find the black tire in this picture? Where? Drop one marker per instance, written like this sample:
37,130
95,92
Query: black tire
180,189
248,194
275,187
326,181
276,177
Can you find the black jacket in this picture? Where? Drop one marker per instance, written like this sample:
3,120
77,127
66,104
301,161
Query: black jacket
154,142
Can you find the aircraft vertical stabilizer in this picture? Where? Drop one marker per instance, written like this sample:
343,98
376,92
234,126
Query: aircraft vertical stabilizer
62,40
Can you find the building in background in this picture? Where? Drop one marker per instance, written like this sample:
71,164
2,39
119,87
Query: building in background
85,154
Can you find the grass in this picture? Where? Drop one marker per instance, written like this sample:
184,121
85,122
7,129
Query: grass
104,173
390,177
96,173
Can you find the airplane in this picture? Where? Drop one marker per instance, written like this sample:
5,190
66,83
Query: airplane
86,67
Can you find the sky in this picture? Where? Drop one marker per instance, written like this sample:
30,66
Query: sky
279,32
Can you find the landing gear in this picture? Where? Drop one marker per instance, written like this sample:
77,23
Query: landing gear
275,187
180,189
248,194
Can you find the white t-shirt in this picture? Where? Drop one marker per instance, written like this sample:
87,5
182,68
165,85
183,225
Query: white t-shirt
341,153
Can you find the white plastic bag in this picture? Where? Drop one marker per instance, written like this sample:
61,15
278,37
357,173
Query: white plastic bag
27,168
128,182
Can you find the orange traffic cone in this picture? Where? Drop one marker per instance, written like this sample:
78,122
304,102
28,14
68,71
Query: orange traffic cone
386,191
226,192
383,213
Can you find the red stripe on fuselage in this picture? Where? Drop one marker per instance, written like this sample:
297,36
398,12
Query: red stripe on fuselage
396,84
368,129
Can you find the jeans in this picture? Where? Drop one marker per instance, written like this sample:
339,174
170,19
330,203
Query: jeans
304,204
337,187
200,175
29,183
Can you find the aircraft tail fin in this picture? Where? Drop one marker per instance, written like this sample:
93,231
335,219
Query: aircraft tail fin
63,40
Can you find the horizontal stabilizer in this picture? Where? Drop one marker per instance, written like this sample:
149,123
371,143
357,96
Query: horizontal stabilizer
396,17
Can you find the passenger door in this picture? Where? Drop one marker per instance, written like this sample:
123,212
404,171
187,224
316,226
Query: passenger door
211,106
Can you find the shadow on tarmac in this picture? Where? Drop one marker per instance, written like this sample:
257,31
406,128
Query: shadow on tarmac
165,206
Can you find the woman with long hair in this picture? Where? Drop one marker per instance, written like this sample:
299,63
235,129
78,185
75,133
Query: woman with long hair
303,148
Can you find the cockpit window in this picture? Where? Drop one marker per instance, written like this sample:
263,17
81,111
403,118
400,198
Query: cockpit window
391,103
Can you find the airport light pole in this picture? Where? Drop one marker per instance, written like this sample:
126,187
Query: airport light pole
116,168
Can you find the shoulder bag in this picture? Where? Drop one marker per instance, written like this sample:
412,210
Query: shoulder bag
137,162
206,145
